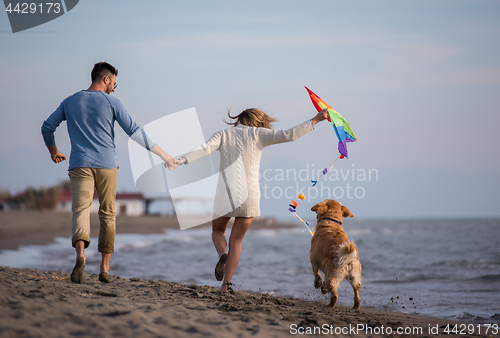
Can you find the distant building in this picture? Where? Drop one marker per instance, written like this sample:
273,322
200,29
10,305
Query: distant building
130,204
65,201
4,205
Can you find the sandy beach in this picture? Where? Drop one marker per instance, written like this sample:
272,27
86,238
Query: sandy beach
37,303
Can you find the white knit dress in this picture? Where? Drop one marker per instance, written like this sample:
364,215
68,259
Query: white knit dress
238,191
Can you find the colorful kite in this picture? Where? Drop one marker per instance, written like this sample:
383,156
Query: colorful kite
344,134
340,125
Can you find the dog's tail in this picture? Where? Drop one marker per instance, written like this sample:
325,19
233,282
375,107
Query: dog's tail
347,253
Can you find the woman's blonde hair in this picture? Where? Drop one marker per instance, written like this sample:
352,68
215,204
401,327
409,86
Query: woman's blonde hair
251,117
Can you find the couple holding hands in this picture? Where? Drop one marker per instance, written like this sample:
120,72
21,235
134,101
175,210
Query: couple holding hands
90,115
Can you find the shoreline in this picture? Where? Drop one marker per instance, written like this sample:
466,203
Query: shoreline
29,227
46,304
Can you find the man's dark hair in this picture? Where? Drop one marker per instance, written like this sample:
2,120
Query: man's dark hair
102,69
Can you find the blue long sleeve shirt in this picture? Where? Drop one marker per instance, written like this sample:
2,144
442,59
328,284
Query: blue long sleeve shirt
90,117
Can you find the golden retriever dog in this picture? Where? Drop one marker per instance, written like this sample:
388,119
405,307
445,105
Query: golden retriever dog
332,253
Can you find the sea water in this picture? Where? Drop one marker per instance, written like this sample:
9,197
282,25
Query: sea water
447,268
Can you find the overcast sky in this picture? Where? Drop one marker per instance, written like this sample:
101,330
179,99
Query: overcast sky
418,81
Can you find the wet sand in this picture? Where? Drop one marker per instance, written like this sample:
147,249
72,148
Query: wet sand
36,303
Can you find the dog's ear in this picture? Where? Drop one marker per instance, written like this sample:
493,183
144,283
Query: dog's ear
346,212
320,208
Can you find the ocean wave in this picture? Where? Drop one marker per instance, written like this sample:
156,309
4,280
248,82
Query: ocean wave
496,317
468,317
473,264
359,232
409,279
486,278
280,232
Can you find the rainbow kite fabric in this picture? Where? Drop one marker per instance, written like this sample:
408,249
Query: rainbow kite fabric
340,125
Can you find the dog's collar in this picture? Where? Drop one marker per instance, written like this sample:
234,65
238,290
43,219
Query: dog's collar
330,219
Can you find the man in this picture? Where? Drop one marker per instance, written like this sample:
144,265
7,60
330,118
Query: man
90,116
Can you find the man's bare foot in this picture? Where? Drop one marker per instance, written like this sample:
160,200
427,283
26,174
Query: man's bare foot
104,277
78,270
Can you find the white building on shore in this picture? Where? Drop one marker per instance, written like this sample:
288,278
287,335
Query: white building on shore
130,204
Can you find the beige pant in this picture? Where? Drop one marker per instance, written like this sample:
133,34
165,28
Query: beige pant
82,182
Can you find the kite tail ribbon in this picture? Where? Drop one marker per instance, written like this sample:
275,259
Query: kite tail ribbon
305,223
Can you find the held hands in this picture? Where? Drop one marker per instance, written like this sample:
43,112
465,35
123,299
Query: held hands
176,164
169,160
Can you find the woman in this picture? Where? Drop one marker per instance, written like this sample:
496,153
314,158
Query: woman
238,192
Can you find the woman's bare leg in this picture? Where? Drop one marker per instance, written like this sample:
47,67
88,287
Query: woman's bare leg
218,234
240,227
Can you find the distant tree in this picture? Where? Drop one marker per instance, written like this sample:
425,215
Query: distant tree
40,199
65,185
4,197
4,194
